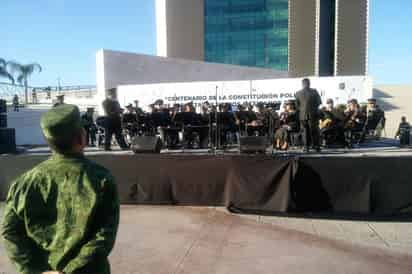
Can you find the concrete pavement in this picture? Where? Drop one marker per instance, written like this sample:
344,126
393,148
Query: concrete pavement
180,240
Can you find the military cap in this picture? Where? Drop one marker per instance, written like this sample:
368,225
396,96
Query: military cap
329,101
158,102
61,121
372,100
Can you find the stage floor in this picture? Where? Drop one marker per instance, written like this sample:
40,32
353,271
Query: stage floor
383,148
163,240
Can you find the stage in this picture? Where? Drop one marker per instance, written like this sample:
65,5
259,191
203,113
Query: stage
363,182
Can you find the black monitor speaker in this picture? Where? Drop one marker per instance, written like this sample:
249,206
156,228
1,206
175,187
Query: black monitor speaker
146,144
253,144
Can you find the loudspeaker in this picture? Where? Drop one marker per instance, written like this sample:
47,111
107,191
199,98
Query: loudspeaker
3,120
253,144
7,140
146,144
3,106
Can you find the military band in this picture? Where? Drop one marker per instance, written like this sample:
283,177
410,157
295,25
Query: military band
301,123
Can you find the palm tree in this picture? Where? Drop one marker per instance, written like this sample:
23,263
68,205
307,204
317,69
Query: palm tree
3,71
23,74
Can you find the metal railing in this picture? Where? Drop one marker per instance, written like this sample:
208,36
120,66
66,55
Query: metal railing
40,95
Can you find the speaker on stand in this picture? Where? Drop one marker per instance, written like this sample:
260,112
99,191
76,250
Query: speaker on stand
7,135
3,114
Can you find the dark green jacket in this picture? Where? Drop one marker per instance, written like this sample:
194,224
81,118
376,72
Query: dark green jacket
62,215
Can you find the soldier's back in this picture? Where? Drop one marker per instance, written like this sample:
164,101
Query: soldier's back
61,202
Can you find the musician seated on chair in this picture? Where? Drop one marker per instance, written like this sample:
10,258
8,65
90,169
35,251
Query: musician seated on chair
256,120
354,116
289,122
331,124
242,118
129,121
226,123
164,119
190,122
375,118
354,121
263,117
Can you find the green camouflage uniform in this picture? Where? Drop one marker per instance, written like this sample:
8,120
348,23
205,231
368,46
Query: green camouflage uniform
62,215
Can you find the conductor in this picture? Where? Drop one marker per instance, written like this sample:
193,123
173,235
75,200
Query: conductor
308,101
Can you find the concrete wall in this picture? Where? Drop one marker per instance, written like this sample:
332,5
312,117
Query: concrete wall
351,45
115,68
180,29
27,120
396,100
302,37
27,125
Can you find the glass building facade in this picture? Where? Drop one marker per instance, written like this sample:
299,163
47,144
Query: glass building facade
247,32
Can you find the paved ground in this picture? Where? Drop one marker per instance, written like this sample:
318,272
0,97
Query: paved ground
208,240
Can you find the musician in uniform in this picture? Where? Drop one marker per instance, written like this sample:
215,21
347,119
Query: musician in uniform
261,125
289,122
129,121
404,132
226,123
113,112
308,101
89,126
242,118
375,119
354,120
354,117
16,102
59,101
331,124
137,108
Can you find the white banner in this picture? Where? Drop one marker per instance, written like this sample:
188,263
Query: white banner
340,89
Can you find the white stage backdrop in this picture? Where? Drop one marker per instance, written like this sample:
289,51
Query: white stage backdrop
340,89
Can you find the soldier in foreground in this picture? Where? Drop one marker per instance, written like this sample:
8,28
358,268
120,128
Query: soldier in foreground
63,215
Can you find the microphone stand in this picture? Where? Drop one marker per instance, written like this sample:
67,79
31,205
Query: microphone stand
217,136
216,141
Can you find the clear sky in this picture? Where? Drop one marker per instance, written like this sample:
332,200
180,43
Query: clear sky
64,35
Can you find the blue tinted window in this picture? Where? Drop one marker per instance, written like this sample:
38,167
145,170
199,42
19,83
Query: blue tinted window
247,32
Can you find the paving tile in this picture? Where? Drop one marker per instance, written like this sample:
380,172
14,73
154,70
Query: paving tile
361,233
302,225
395,234
180,240
329,229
